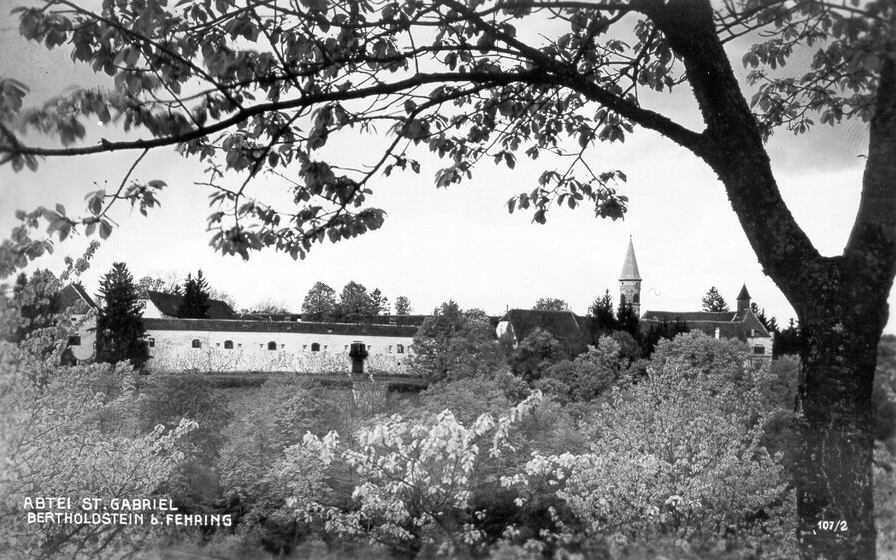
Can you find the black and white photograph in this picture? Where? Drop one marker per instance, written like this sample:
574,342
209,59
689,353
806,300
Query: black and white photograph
447,279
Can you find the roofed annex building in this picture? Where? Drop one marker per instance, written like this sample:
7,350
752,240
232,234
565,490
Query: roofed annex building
575,330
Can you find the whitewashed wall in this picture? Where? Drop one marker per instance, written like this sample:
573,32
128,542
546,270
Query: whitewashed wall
172,351
85,327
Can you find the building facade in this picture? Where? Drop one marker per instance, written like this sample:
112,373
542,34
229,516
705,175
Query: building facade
234,345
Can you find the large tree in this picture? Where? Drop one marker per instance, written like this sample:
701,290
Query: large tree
260,86
119,327
356,305
319,304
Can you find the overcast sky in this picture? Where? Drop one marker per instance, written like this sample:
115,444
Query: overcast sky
461,243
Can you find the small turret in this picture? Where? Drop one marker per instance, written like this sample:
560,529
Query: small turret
743,300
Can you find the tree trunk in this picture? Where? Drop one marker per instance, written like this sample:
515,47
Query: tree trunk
841,301
833,476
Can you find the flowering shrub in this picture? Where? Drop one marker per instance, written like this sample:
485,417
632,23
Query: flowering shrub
675,456
415,478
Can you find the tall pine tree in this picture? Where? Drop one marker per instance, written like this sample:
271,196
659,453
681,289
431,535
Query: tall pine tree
196,296
714,302
120,333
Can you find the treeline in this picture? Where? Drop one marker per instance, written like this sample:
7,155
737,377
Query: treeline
353,305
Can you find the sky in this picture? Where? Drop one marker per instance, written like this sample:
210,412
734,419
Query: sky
459,243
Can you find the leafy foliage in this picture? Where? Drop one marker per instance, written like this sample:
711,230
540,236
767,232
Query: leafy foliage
356,305
587,376
319,304
678,455
402,306
454,344
415,478
168,400
535,353
550,304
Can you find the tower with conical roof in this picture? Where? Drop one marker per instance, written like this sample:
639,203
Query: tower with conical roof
630,280
743,300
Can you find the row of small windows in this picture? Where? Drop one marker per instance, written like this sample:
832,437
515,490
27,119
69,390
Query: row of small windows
272,345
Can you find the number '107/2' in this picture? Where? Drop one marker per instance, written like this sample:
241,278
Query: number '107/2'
832,525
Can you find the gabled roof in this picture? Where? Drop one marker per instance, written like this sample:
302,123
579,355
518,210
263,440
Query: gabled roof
236,326
71,295
565,326
731,324
630,266
168,304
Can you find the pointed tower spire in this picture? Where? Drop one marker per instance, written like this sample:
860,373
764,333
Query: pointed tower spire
630,280
630,267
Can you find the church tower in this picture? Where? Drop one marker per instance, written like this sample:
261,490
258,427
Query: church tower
630,281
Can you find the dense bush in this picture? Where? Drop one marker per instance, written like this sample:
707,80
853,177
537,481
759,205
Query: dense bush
676,455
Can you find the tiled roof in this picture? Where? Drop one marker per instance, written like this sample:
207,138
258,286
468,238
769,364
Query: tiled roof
730,324
223,325
169,303
71,295
630,266
744,294
565,326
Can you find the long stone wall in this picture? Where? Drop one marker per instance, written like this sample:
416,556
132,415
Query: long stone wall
274,351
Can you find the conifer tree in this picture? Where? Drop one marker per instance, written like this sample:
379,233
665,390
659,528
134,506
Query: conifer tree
196,296
714,302
626,318
120,333
604,318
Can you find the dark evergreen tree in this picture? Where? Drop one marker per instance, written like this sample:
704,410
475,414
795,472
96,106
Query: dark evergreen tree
771,325
787,341
603,317
195,298
119,327
627,320
713,301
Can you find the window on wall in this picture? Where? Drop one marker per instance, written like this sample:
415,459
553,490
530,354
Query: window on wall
272,345
228,345
152,342
196,343
74,340
315,347
390,348
759,350
399,348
